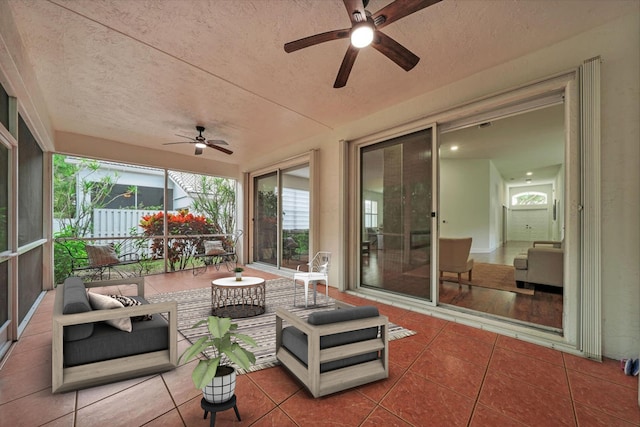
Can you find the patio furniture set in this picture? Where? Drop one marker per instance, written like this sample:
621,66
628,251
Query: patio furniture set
330,351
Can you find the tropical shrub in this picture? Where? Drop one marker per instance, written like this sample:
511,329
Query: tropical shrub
182,225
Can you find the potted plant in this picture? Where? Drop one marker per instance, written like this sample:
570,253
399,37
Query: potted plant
216,379
238,271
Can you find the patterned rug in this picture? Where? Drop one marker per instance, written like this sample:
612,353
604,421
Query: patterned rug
195,305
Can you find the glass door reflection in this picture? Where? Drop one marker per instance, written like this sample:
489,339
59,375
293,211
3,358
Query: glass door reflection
266,219
396,215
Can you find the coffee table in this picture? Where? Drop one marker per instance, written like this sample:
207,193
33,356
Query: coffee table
235,299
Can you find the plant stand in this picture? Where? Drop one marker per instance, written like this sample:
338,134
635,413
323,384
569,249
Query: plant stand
218,407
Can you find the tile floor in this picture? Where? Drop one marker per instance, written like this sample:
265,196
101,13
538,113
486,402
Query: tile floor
445,375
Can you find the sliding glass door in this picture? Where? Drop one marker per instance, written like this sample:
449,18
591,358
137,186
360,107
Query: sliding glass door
396,201
295,217
266,219
4,245
281,207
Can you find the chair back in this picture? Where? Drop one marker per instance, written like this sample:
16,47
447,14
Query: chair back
320,263
454,254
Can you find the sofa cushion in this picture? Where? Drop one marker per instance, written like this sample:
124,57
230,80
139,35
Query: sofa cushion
342,315
110,343
105,302
520,262
296,341
75,300
213,247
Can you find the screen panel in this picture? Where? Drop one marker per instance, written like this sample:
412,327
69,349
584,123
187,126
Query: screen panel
30,173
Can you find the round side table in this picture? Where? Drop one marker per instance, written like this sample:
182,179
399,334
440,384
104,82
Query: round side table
238,298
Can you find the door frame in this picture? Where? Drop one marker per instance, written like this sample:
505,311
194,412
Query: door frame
510,101
311,159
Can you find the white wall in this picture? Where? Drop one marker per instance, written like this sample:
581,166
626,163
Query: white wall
465,201
496,201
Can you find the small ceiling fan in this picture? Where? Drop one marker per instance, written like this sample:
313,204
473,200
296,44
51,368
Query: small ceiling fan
202,143
365,31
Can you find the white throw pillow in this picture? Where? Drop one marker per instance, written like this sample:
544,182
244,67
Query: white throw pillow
104,302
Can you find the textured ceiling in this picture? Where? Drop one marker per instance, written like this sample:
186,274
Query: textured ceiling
140,72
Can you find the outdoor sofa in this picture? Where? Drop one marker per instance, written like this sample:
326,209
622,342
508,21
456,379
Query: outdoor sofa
334,350
87,352
542,264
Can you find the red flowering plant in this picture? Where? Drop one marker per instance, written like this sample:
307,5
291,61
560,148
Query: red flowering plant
183,225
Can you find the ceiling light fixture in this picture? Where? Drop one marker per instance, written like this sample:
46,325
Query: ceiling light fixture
529,173
454,148
362,34
201,145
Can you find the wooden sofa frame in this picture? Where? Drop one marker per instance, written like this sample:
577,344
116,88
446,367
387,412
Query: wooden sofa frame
97,373
321,384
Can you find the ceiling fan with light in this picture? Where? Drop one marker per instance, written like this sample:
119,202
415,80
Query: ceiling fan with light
365,31
202,143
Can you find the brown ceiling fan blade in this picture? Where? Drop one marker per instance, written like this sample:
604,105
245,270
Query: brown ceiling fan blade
188,137
317,39
217,141
179,142
399,9
345,68
394,51
219,148
198,151
355,6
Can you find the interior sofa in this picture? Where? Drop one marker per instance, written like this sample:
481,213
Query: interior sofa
334,350
542,264
86,351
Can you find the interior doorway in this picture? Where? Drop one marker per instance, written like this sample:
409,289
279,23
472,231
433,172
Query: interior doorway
511,171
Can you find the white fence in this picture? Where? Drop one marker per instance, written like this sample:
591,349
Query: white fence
118,222
114,222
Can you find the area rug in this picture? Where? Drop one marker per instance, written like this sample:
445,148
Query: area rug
492,276
195,305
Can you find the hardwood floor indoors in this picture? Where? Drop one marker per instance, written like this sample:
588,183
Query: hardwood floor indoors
543,308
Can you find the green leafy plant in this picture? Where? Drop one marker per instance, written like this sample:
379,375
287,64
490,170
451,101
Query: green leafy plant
183,223
215,197
238,269
224,343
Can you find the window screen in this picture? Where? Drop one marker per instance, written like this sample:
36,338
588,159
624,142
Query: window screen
30,165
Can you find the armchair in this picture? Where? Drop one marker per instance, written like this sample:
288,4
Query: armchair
454,256
86,351
335,349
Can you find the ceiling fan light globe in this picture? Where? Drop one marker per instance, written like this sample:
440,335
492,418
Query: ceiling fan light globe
362,35
201,145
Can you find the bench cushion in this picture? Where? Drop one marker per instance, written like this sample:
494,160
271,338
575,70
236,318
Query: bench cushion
76,301
107,342
296,341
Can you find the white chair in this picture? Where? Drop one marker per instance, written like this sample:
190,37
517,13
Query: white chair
318,272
